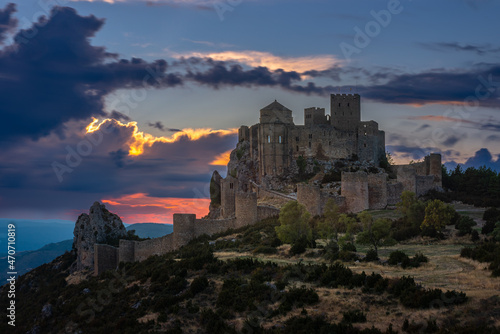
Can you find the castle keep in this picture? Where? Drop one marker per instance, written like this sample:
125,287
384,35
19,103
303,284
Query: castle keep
264,173
275,142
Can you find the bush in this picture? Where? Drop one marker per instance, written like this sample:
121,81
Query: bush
298,297
464,225
299,246
265,250
331,251
474,236
371,256
351,317
349,246
488,227
398,257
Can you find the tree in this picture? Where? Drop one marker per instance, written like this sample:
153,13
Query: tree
375,233
330,226
437,216
351,228
294,223
408,198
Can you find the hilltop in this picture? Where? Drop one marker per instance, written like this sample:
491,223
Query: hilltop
246,280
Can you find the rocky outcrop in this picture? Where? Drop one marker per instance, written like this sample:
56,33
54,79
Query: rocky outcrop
215,196
242,166
99,226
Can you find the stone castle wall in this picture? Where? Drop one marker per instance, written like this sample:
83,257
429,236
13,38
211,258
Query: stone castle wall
105,258
354,187
377,191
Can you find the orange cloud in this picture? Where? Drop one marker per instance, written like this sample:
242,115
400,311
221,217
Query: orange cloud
266,59
221,159
141,208
140,139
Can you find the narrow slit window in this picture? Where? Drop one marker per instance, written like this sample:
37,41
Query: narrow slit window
279,139
268,139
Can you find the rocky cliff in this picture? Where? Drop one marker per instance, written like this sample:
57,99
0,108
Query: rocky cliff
99,226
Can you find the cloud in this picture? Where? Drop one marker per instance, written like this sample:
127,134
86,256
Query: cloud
119,116
482,157
454,46
99,165
485,125
159,125
222,159
268,60
452,140
7,22
55,75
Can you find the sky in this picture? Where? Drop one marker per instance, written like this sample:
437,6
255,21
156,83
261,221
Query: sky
135,103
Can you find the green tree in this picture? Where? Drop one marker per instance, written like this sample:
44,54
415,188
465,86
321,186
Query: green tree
351,228
437,215
408,198
375,233
294,223
330,226
496,232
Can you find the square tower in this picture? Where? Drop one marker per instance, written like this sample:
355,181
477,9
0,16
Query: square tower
345,111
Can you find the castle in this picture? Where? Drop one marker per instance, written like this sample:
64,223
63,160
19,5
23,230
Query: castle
266,157
277,141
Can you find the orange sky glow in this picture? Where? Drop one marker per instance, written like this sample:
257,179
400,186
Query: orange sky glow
141,208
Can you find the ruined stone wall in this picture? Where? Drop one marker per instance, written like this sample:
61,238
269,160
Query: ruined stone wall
377,191
310,197
126,251
394,191
246,208
243,133
424,183
105,258
263,193
212,226
355,190
406,174
265,211
184,228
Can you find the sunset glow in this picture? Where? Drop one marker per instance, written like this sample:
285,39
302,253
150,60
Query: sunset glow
141,208
222,159
141,139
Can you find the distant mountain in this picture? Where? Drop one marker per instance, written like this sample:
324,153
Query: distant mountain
28,260
151,230
34,234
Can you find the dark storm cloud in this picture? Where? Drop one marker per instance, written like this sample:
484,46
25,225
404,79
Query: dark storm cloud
454,46
159,125
56,75
7,22
451,140
119,116
482,157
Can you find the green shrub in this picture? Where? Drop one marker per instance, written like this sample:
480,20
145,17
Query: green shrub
349,246
351,317
371,256
265,250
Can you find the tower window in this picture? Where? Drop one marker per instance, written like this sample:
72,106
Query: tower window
279,139
365,144
309,144
310,136
231,186
268,139
297,148
348,104
365,133
330,143
339,104
297,138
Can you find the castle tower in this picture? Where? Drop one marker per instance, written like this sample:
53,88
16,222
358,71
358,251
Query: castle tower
345,111
228,187
275,122
435,168
183,228
246,208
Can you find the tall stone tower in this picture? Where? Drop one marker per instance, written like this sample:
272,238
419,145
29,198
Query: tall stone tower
275,122
345,111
